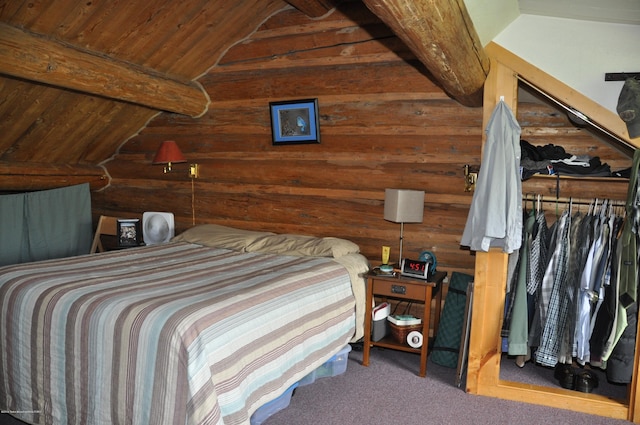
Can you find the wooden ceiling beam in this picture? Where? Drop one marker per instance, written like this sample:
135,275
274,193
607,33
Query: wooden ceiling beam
27,176
442,36
34,57
313,8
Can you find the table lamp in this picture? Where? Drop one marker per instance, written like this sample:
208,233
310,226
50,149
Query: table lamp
403,206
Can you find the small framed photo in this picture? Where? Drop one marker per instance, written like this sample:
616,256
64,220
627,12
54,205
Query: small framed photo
295,121
129,232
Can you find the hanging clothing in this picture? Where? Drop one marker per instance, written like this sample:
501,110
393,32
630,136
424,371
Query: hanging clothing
571,310
513,266
519,323
605,318
537,264
495,216
576,234
628,254
546,287
590,287
620,364
538,254
601,273
582,249
556,275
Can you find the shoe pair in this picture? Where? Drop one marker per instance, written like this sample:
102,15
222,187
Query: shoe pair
575,378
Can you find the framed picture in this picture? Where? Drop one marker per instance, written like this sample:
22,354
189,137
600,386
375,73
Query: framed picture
295,121
129,232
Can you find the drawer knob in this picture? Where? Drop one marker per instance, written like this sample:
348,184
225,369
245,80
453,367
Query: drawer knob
399,289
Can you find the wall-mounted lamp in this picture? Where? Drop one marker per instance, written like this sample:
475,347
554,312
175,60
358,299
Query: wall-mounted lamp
194,171
168,153
403,206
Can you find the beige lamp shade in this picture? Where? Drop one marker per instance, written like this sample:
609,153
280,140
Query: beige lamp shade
403,205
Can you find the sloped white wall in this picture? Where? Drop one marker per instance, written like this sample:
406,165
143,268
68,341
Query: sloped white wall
490,17
578,53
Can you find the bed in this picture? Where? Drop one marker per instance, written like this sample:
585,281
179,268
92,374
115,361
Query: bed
202,330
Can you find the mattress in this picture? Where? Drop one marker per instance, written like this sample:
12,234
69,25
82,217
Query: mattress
166,334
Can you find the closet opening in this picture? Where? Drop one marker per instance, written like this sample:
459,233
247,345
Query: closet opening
492,372
554,126
557,320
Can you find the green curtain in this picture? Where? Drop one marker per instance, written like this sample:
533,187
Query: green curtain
46,224
11,228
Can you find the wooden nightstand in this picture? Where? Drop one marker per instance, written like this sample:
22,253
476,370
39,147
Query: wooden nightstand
404,289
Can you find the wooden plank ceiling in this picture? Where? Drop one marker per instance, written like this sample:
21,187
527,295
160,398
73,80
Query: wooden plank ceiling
79,78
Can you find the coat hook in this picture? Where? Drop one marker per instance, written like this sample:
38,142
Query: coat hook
470,178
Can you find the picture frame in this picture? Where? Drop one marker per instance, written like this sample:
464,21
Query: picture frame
129,232
294,121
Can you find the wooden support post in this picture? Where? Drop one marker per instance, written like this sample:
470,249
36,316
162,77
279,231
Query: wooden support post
487,312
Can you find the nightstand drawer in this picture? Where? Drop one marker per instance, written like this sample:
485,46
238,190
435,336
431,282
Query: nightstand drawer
399,289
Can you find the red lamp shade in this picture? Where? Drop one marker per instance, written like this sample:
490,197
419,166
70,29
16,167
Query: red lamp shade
167,153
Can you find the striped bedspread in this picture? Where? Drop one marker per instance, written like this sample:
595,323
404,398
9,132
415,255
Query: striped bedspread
166,334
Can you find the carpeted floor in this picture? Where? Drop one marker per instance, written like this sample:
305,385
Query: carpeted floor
538,375
389,392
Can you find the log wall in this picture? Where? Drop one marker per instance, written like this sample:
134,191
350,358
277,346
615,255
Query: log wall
383,123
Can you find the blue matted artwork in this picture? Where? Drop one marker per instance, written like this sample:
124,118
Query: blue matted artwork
295,121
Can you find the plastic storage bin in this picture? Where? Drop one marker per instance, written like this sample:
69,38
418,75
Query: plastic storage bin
308,380
336,365
379,329
265,411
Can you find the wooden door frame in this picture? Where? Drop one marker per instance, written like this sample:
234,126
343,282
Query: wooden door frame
485,352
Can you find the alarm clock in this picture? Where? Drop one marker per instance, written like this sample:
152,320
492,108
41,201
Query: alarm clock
415,268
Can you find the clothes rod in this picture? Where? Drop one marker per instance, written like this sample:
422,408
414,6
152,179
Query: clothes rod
533,198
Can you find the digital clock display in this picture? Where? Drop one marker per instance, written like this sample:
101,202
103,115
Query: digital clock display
415,268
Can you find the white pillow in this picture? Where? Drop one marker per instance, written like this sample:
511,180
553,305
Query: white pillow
217,236
300,245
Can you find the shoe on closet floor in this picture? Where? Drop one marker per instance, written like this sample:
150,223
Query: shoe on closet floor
585,381
565,374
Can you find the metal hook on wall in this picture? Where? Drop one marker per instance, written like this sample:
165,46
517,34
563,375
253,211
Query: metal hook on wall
470,178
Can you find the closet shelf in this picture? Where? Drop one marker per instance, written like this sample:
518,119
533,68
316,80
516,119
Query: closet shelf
607,180
551,187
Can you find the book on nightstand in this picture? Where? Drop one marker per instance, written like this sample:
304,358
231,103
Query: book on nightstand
404,320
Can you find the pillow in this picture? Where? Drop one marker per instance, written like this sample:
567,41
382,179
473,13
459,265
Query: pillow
215,235
300,245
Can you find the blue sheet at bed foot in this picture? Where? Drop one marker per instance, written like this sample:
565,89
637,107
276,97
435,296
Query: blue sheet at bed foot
336,365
